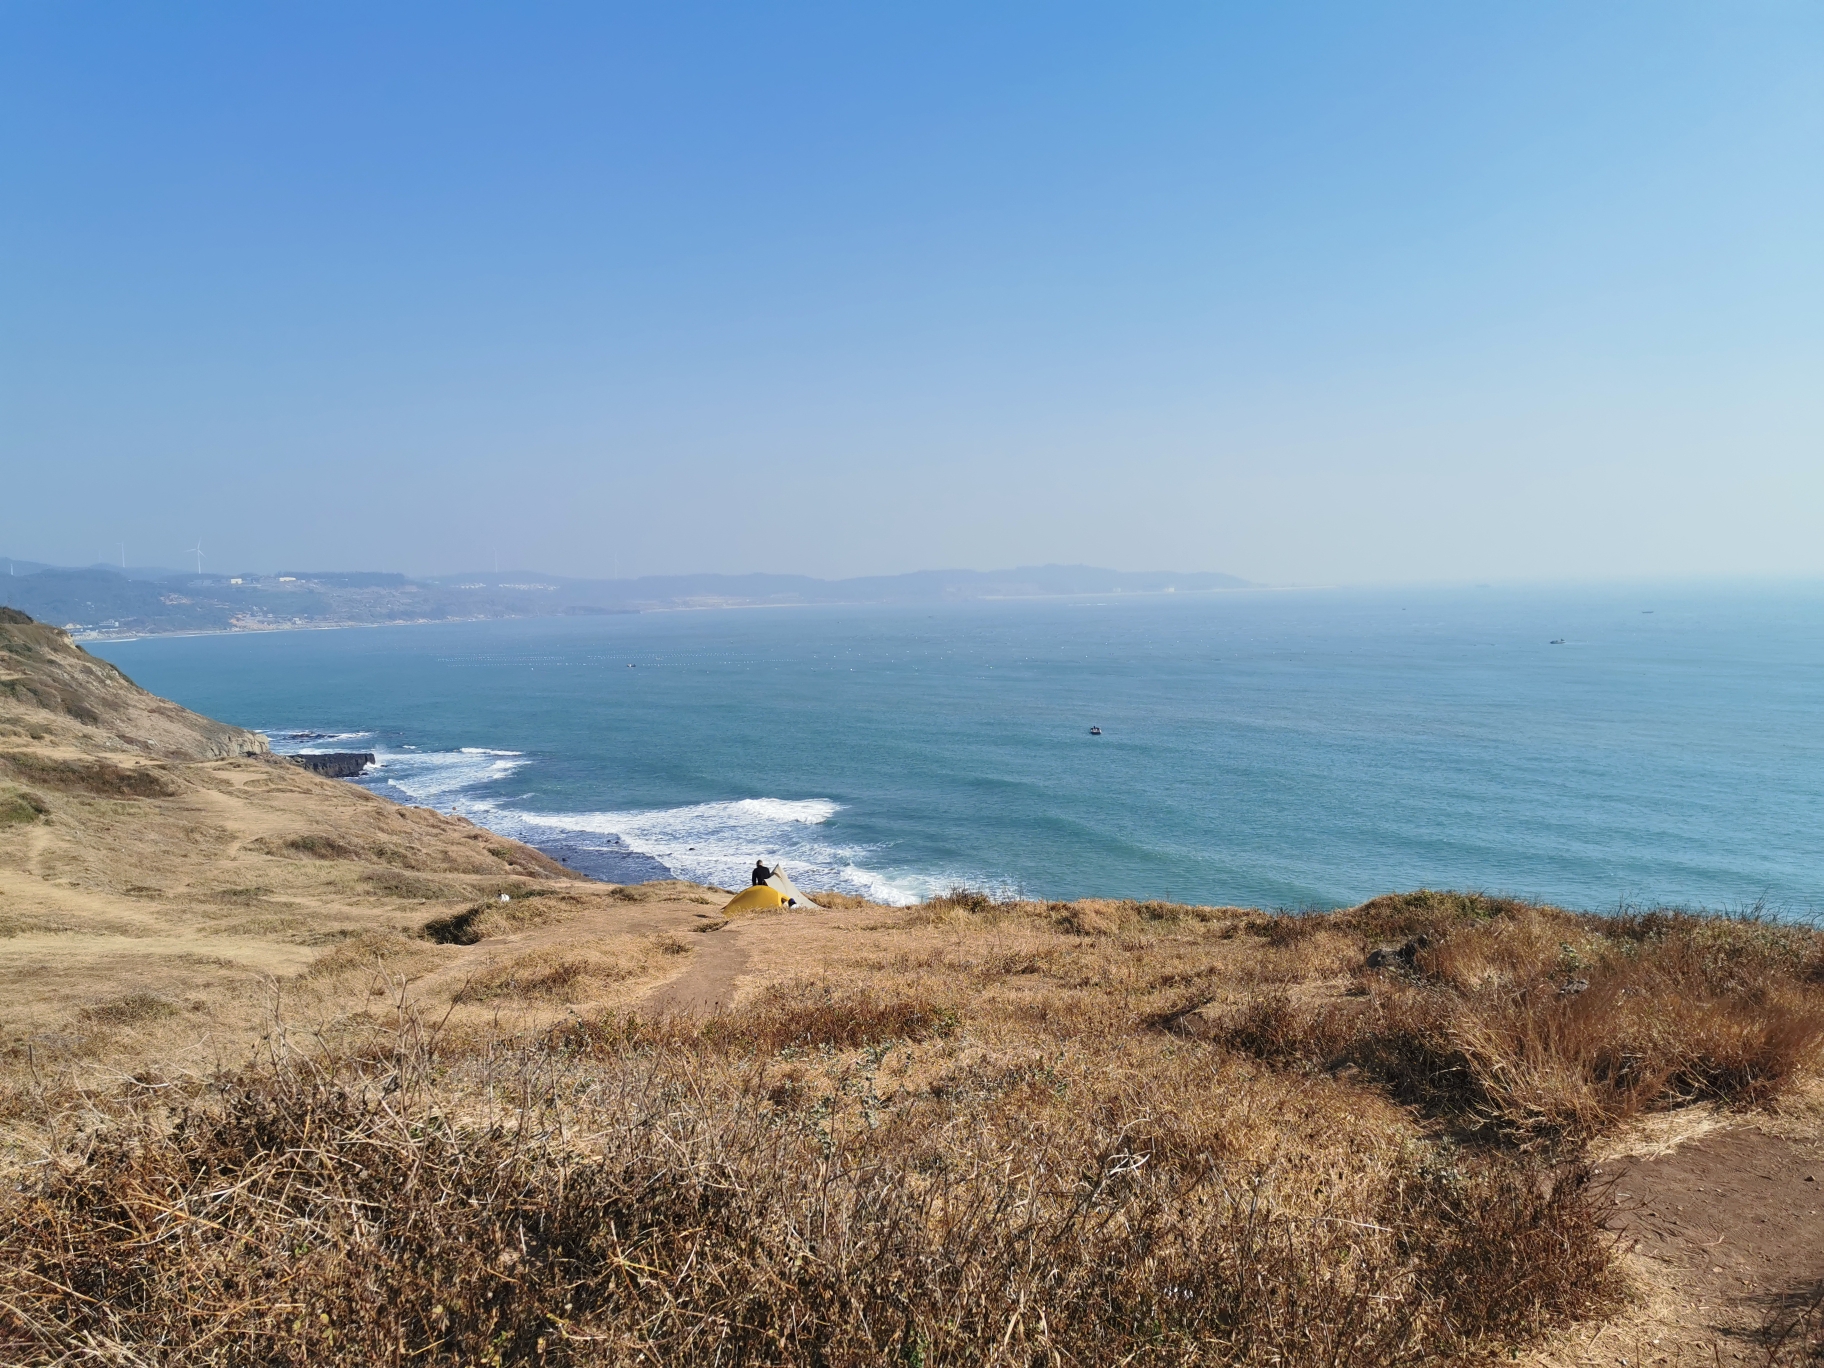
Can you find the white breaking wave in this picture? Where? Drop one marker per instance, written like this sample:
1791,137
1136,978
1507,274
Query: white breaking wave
711,843
303,741
717,843
444,778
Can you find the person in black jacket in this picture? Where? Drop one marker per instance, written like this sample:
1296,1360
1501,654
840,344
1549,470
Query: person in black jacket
761,873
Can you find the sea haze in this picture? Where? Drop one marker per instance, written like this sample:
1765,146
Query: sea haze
1643,745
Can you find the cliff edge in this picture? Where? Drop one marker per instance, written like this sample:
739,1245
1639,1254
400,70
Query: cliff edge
51,689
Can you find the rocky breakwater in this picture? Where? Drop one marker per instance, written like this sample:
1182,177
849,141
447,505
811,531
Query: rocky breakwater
335,764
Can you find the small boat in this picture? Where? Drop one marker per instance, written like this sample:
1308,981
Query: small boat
1095,731
1555,641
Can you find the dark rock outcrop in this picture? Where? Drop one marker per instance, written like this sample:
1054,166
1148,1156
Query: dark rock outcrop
336,764
1398,956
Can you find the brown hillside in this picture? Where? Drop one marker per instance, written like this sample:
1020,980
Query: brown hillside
145,850
52,691
284,1081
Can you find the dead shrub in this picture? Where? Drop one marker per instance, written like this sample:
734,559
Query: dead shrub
331,1211
1091,917
667,890
456,929
313,846
475,924
1268,1027
97,778
1155,911
838,902
366,952
1793,1336
393,883
1546,1025
1427,912
1505,1246
959,899
809,1014
543,976
135,1009
21,806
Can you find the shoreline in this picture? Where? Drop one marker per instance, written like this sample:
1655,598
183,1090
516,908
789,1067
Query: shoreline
81,635
565,847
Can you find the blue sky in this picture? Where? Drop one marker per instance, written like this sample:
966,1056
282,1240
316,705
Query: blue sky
1307,293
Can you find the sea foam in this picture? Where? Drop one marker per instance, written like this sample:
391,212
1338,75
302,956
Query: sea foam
717,843
712,843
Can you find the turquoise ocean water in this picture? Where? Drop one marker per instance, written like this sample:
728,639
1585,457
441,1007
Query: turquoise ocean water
1658,745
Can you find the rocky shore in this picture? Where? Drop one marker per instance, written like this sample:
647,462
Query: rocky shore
335,764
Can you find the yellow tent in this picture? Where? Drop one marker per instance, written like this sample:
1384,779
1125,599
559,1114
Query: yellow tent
789,891
755,898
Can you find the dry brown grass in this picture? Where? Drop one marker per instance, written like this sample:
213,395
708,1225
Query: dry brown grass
1538,1023
838,902
98,778
971,1131
562,976
673,1193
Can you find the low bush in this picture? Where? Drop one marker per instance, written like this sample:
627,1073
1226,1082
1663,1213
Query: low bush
135,1009
808,1014
314,846
1539,1023
544,976
20,807
654,1206
97,778
962,899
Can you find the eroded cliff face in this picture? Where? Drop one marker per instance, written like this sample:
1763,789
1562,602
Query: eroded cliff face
51,690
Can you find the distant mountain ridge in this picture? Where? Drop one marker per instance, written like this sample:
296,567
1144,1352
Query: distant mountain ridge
99,600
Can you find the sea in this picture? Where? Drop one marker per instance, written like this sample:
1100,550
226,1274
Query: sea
1595,747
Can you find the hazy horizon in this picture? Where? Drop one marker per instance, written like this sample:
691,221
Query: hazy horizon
1332,295
1594,583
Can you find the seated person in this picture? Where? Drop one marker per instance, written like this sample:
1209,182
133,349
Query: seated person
761,873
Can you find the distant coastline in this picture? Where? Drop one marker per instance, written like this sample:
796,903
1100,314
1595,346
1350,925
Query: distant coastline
100,603
81,634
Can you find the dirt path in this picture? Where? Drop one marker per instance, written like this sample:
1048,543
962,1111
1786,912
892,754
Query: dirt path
1726,1232
708,982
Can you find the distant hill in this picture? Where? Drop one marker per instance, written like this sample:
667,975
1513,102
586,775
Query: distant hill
98,601
922,586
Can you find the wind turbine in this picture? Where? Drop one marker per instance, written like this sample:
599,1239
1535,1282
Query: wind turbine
197,551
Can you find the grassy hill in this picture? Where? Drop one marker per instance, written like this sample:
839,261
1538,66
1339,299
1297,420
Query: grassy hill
285,1078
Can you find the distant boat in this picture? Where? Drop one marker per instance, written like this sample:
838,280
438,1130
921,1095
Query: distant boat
1095,731
1556,641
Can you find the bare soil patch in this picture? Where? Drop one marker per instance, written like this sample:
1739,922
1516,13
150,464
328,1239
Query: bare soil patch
1736,1220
